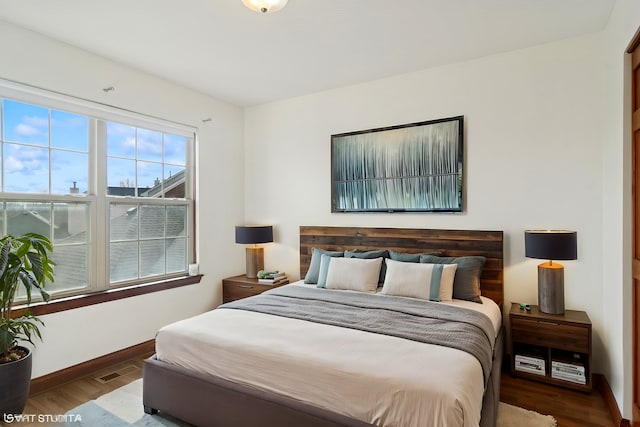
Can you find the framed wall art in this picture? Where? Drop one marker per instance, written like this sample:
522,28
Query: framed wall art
415,167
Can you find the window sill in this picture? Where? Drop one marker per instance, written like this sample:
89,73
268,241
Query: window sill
77,301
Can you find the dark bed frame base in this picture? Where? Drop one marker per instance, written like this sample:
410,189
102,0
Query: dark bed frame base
204,400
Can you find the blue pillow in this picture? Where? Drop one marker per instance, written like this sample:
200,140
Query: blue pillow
466,284
358,253
407,257
314,266
324,269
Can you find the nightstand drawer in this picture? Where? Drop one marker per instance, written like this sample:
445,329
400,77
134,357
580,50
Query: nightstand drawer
550,334
238,287
234,291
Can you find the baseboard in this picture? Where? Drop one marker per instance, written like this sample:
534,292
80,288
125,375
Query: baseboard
54,379
602,386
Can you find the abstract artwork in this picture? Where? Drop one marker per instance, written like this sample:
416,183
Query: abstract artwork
415,167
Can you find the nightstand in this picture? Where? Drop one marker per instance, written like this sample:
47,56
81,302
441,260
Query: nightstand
551,348
238,287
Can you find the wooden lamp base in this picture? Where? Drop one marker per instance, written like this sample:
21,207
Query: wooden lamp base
551,288
255,261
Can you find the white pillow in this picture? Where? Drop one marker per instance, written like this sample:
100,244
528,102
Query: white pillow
354,274
426,281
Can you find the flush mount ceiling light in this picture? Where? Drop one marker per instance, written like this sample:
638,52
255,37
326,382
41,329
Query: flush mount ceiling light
265,6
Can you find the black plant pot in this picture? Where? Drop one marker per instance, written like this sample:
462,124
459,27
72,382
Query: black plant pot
15,378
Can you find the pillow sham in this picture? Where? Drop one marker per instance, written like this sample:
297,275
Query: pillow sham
433,282
311,278
358,253
466,285
408,257
354,274
324,269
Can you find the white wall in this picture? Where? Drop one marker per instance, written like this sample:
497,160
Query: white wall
533,141
616,154
75,336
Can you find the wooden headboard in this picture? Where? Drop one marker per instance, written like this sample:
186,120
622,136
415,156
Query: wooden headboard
454,243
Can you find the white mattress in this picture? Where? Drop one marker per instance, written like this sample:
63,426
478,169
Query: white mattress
379,379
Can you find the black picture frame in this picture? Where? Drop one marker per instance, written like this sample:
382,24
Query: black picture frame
415,167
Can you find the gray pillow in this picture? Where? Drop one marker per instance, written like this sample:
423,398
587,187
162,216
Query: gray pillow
466,285
359,253
407,257
314,265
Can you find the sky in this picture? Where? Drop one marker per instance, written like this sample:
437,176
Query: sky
42,146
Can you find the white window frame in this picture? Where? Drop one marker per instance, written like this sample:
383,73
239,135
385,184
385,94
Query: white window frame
99,201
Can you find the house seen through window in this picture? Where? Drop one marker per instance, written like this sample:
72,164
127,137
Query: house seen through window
114,196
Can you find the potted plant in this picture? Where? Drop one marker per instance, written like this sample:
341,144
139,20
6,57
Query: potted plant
24,264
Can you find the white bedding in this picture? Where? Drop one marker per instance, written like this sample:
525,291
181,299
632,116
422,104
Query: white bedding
380,379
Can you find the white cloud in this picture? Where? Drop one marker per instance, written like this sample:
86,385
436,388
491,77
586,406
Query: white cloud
26,130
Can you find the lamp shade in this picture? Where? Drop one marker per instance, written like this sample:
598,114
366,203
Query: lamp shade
550,244
253,235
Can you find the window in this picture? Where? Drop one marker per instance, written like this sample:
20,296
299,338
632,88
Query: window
102,185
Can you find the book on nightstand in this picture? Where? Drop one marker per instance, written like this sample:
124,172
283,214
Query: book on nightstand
272,278
568,371
531,365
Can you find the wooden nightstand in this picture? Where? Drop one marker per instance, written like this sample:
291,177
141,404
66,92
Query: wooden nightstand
560,340
239,287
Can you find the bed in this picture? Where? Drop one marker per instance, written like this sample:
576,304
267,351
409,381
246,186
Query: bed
277,378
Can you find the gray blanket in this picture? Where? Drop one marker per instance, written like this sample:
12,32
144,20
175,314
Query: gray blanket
408,318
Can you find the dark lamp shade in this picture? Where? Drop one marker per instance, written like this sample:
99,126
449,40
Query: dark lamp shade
253,235
551,244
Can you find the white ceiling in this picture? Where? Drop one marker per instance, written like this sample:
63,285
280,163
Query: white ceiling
225,50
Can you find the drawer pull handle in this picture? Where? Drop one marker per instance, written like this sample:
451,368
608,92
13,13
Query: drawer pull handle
549,323
246,286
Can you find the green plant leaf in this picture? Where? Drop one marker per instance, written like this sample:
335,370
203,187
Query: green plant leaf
24,261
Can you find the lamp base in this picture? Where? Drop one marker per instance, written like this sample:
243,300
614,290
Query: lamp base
551,288
255,262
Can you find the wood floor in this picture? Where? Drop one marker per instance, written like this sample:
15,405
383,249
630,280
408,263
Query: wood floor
570,408
62,399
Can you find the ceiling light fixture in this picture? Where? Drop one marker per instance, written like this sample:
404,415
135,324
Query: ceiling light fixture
265,6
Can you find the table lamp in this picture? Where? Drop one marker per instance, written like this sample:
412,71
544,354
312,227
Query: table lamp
551,245
251,235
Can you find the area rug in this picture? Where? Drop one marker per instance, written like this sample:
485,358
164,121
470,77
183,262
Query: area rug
123,408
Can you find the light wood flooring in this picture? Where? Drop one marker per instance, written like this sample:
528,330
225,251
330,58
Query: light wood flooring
570,408
62,399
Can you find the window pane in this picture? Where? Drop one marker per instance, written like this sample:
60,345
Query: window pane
149,179
123,261
69,131
70,223
28,217
149,145
69,172
121,140
174,182
151,258
26,169
176,221
152,222
176,255
71,270
26,123
121,177
175,149
123,222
